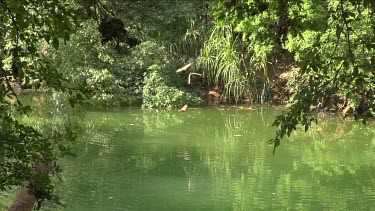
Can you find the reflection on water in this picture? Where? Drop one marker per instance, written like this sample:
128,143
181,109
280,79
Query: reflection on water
217,159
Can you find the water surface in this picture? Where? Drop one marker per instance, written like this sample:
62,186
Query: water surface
216,159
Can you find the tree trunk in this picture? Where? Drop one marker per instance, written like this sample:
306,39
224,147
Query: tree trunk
26,199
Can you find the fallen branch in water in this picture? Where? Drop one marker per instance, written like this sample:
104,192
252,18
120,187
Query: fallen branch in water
193,74
184,68
183,109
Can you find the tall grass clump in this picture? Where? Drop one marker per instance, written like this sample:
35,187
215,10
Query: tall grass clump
228,62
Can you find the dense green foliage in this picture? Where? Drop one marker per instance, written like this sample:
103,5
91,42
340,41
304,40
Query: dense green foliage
23,25
144,74
230,63
332,41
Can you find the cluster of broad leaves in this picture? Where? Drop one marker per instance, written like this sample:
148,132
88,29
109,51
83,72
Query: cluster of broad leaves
332,41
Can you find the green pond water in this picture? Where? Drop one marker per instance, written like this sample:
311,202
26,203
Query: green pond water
216,159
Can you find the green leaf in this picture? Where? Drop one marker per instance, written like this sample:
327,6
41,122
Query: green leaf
338,31
277,143
72,102
55,43
373,60
306,127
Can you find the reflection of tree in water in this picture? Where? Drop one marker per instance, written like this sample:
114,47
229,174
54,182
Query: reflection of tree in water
332,168
326,170
224,155
237,149
158,121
